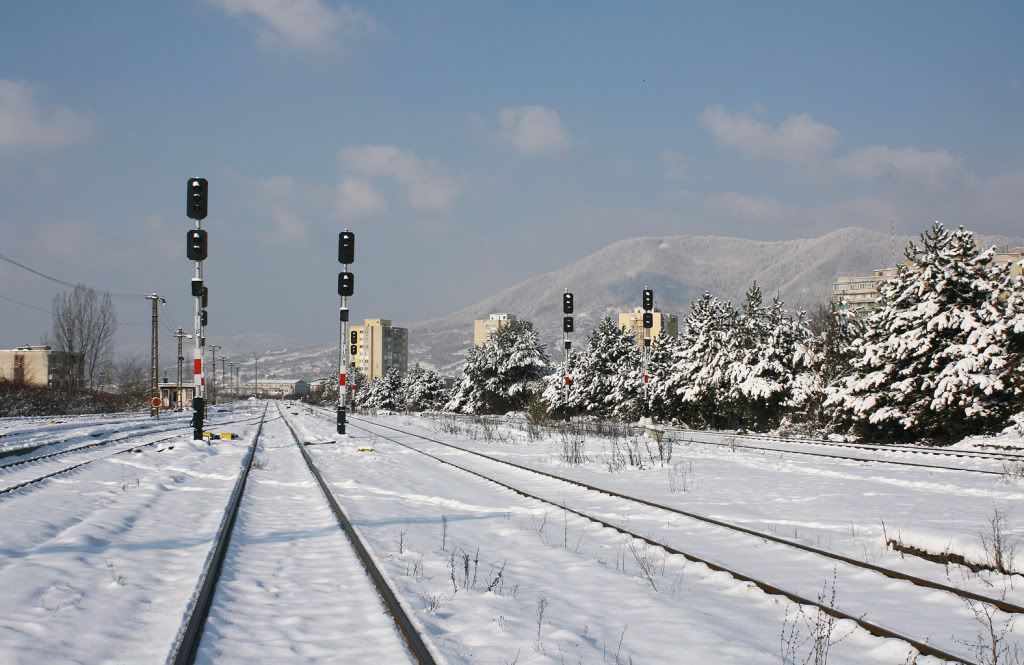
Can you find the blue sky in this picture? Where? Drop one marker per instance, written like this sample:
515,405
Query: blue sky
471,145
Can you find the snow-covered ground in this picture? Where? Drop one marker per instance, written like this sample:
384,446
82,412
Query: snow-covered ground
99,565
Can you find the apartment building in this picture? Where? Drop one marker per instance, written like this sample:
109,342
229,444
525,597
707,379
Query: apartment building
484,328
861,293
663,323
41,366
377,346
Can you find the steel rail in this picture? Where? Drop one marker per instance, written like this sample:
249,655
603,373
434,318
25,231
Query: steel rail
874,447
68,469
1005,606
874,629
414,642
809,453
936,467
187,643
105,442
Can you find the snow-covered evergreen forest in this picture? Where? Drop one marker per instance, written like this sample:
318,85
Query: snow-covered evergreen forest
938,360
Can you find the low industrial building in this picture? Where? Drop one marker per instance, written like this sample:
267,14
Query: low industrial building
277,388
41,366
174,400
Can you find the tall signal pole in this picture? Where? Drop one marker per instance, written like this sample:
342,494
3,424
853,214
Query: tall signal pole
223,372
567,327
154,362
196,251
213,377
647,301
346,286
256,375
180,334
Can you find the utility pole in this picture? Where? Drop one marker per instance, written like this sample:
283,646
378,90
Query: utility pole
256,376
231,378
197,190
223,372
154,364
346,286
213,382
180,334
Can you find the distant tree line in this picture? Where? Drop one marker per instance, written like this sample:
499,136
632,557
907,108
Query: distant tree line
938,360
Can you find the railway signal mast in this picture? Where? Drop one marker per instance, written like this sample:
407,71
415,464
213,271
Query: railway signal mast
195,251
647,300
346,287
567,327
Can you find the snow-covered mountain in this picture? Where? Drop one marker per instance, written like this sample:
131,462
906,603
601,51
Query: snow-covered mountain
678,268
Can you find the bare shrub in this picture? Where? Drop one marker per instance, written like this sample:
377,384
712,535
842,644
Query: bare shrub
542,605
573,448
1012,472
680,478
650,560
990,646
808,636
999,546
119,580
260,463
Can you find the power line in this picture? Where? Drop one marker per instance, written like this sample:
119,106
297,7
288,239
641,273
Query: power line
25,304
123,296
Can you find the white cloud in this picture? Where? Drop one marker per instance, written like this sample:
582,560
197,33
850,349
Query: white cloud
879,161
533,130
25,124
425,186
300,24
356,197
798,138
288,225
802,141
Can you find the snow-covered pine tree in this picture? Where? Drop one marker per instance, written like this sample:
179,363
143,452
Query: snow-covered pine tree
562,400
595,381
935,362
665,351
760,366
385,392
806,390
693,387
502,374
1011,311
628,395
423,389
356,383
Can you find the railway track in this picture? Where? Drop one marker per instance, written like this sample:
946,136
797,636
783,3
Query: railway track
10,472
300,572
728,439
43,438
914,591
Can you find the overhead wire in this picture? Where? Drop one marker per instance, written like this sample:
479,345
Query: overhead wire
119,296
25,304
